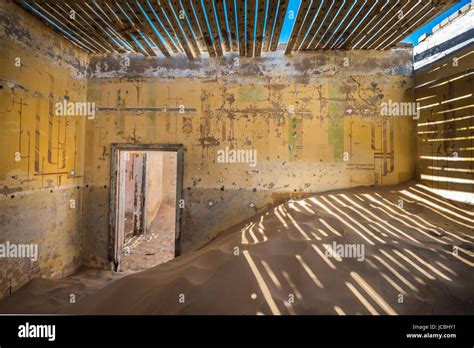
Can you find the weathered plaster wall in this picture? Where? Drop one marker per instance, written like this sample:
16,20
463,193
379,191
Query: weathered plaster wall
36,190
169,177
302,114
154,184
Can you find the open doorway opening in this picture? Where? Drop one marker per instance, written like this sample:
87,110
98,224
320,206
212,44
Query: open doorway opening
146,185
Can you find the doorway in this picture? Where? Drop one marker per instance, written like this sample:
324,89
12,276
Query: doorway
145,214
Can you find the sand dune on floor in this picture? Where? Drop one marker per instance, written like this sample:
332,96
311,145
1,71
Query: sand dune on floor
417,259
404,250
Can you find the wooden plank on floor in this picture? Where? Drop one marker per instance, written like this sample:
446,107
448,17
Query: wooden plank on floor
280,18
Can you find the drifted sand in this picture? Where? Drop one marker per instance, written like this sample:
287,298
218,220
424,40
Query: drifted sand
280,268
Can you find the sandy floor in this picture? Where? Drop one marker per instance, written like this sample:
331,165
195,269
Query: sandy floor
417,259
155,247
48,296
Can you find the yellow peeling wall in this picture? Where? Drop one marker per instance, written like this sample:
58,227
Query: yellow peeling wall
38,150
313,120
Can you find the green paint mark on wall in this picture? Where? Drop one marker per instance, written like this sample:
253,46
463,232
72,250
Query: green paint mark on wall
292,139
252,94
336,122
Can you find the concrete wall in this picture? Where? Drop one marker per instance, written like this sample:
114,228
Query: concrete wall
154,194
38,149
314,120
169,178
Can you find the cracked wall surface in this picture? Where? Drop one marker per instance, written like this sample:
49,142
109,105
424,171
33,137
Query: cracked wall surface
313,119
38,149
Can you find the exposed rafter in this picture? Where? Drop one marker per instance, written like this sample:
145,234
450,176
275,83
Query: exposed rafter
170,27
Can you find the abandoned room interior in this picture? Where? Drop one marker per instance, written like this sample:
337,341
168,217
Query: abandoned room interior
236,157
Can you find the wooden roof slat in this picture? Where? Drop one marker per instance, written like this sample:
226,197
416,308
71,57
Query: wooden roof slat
213,25
109,26
241,25
205,31
260,24
172,37
342,19
272,8
307,23
91,21
328,21
82,32
424,15
391,17
174,22
231,12
279,24
222,24
364,11
136,25
112,20
188,9
147,29
78,41
155,19
250,26
300,18
178,9
316,25
125,26
389,29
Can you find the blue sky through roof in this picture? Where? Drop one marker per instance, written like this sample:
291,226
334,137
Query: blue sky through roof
294,5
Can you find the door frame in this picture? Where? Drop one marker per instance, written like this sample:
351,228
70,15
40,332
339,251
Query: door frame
116,148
